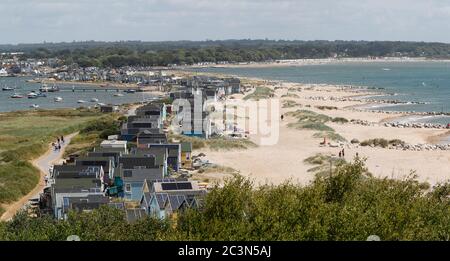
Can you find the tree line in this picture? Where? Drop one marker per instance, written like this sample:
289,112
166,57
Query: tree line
136,53
350,204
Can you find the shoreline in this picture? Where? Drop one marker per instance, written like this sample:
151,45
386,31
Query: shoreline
321,61
295,145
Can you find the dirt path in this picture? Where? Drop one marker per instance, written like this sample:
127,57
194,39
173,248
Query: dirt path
42,163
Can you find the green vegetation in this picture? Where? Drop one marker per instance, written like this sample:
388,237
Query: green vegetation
330,135
323,164
350,204
217,169
137,53
24,136
380,142
314,121
290,104
339,120
290,95
309,120
214,143
94,132
260,92
323,107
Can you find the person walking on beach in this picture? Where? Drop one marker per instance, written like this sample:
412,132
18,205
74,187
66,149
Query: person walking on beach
343,153
62,139
282,116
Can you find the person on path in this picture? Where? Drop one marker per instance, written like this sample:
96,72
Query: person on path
343,153
62,139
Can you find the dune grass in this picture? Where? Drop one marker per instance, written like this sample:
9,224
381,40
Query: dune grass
260,93
322,164
380,142
290,104
26,135
309,120
215,143
290,95
330,135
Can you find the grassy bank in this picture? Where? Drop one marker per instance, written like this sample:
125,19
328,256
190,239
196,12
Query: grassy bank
218,143
26,135
94,132
260,93
310,120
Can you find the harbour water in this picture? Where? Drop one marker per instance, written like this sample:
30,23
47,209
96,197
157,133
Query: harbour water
425,84
69,98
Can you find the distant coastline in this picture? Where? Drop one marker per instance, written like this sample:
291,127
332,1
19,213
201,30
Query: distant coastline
320,61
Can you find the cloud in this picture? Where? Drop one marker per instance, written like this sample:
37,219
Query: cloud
154,20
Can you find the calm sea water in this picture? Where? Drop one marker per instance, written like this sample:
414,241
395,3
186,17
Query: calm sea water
69,98
427,82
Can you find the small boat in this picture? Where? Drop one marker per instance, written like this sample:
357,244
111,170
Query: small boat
6,88
101,104
94,100
16,96
32,95
386,69
34,106
44,88
118,94
41,94
54,89
58,99
81,101
130,91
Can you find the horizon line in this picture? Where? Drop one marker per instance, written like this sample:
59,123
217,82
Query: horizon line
214,40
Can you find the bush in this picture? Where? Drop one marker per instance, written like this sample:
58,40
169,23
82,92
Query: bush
380,142
339,120
322,107
349,204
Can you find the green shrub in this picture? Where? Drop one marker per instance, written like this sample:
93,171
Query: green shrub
339,120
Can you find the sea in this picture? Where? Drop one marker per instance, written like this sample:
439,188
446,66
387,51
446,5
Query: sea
426,83
70,98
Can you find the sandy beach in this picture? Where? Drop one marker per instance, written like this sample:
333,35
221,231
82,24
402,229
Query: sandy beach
303,62
285,159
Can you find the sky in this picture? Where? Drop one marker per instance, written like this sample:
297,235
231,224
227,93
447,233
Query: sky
36,21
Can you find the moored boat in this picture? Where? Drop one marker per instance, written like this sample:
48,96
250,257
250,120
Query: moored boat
81,101
16,96
6,88
41,94
32,95
94,100
44,88
34,106
58,99
54,89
